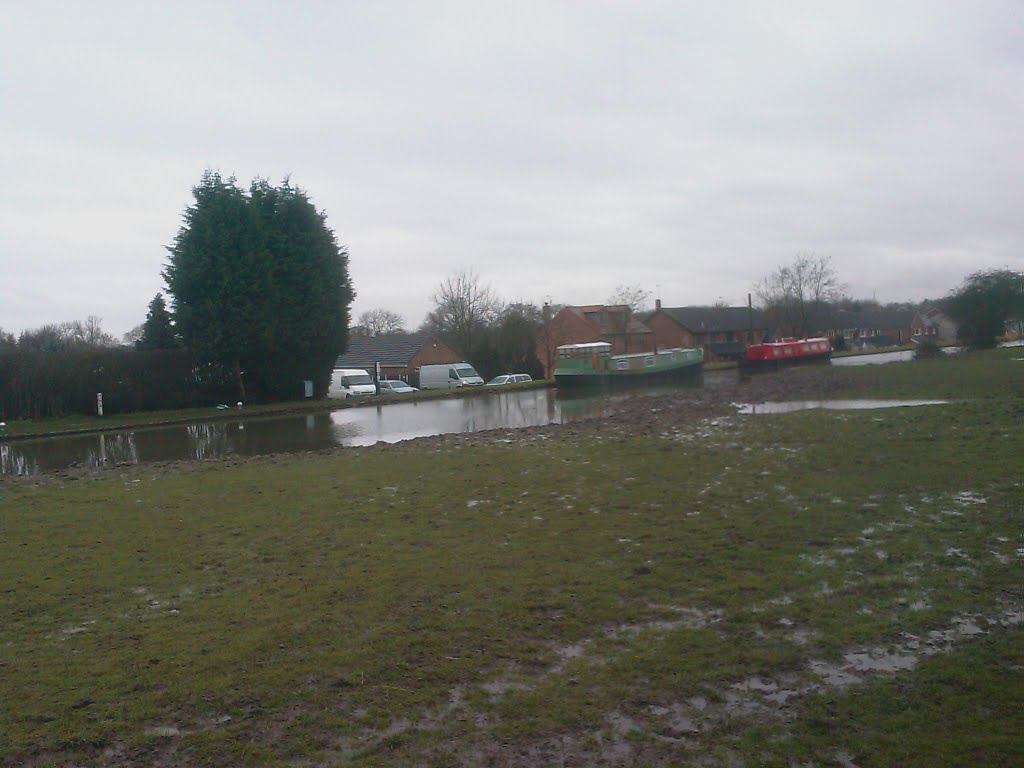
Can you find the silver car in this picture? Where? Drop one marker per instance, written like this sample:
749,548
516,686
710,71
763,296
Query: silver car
395,387
509,378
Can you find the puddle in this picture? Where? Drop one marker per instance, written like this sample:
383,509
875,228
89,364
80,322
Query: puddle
747,409
689,618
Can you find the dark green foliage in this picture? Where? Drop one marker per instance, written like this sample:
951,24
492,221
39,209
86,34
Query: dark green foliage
36,384
157,332
984,303
517,344
927,350
509,345
260,287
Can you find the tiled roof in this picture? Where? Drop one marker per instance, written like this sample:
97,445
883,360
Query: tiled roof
610,320
878,319
715,319
396,350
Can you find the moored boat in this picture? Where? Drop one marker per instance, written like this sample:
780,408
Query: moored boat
593,365
775,354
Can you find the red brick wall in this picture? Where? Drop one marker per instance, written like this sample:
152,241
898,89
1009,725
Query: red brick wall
568,327
434,352
668,333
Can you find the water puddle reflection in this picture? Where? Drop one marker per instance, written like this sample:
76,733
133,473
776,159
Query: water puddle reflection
359,426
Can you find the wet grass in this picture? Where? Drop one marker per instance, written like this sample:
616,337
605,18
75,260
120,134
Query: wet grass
596,596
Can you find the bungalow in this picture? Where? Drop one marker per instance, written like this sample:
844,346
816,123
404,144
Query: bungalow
932,325
400,355
872,327
722,332
593,322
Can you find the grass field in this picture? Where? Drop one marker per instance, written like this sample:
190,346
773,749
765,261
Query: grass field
817,588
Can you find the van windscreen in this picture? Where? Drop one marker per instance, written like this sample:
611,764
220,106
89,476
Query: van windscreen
357,379
465,371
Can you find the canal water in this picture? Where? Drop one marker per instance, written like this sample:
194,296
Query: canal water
361,425
365,425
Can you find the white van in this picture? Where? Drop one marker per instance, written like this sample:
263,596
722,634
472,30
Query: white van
449,376
350,382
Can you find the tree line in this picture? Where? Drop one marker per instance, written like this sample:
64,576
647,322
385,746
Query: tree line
259,302
259,297
802,297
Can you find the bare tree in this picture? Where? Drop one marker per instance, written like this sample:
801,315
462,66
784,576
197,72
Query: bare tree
463,307
632,296
379,322
54,337
92,333
133,336
798,295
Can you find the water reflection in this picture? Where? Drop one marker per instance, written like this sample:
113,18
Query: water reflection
388,422
879,358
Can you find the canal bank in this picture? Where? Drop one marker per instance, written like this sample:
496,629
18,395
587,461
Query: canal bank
78,424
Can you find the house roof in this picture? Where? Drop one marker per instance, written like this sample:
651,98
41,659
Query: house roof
878,319
714,319
394,350
611,319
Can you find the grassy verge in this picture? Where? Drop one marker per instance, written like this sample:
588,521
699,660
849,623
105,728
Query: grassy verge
796,589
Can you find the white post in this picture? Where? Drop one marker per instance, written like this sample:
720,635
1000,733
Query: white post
99,403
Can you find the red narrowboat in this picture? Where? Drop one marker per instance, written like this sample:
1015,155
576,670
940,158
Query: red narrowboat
776,354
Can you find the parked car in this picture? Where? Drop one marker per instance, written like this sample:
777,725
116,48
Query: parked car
509,378
395,387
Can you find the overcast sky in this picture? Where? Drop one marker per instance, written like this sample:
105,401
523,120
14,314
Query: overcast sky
559,149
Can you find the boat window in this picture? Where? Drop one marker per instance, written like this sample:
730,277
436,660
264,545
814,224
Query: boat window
776,351
788,350
805,348
623,365
649,362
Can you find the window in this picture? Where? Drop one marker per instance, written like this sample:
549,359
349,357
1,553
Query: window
622,365
649,362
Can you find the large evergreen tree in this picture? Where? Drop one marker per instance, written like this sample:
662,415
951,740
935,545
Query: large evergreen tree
259,286
157,332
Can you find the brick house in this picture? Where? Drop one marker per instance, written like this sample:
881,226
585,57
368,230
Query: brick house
932,325
722,332
872,327
595,322
400,355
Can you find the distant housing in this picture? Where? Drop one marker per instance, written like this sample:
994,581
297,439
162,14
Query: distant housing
400,355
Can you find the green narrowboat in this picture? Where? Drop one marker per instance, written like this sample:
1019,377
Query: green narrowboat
593,365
